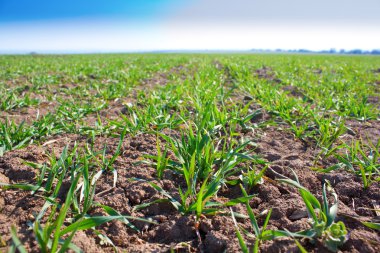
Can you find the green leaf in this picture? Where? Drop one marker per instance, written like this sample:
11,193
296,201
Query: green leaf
49,202
273,234
145,205
63,213
333,210
300,247
308,198
331,168
112,212
242,243
267,220
325,203
256,246
17,243
372,225
172,200
199,201
251,214
292,182
239,200
66,244
87,223
26,187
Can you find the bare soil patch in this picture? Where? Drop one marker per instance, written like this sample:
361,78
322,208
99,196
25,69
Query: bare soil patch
363,130
374,100
295,91
268,74
28,114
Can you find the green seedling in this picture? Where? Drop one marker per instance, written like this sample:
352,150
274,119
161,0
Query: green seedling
161,160
251,177
360,159
260,234
107,163
333,234
64,219
14,136
243,121
12,102
198,203
328,131
17,245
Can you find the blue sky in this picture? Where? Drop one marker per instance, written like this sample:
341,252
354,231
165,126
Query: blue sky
39,10
124,25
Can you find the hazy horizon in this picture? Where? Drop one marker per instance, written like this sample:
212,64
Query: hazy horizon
127,26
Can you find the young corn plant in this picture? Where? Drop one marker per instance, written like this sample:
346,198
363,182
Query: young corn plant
219,165
12,101
195,154
199,202
50,234
107,163
58,229
299,129
48,237
50,177
13,136
73,112
204,170
333,234
244,121
153,116
160,161
251,177
298,121
359,158
361,109
328,131
260,234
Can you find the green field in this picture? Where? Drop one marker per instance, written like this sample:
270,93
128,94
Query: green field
189,153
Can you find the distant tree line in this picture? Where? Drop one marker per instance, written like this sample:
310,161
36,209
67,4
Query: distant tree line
331,51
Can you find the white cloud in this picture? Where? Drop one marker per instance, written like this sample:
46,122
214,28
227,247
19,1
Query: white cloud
226,11
267,36
292,24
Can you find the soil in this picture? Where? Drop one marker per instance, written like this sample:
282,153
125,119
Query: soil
295,92
267,73
28,114
375,100
175,230
178,232
368,131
